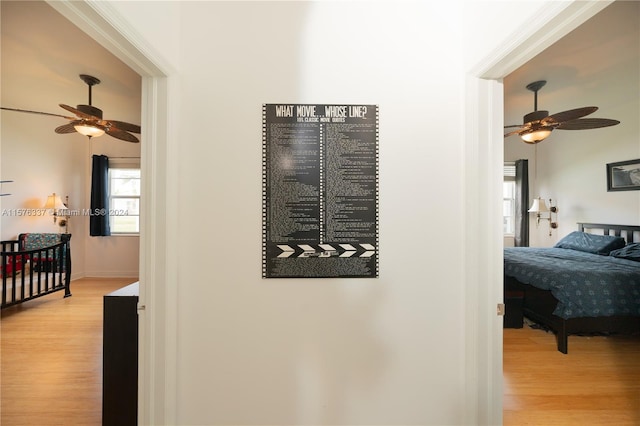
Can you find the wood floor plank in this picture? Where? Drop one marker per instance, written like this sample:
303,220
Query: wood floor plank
51,357
596,383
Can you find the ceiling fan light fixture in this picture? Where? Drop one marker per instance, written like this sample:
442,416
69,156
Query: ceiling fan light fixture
87,130
537,125
88,119
536,136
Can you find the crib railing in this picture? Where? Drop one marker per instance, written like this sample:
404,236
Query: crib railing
29,274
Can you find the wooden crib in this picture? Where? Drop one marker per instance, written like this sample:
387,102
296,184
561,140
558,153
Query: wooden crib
34,265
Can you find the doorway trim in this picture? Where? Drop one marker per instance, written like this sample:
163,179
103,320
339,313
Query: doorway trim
484,154
157,348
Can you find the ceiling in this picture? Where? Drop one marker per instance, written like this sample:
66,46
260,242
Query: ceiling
43,55
584,68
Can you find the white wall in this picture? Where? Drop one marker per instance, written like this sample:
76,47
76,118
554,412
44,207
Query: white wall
384,351
572,164
319,351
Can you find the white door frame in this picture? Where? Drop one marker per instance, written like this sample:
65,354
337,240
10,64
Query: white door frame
483,195
158,217
484,153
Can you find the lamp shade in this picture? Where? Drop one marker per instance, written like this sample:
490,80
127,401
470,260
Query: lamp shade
54,202
538,206
536,136
87,130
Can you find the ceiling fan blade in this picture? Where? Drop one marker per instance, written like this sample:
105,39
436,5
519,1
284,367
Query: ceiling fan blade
587,123
79,113
37,112
569,115
124,126
515,132
121,134
67,128
513,125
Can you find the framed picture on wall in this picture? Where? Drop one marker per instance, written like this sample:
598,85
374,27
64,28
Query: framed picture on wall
623,176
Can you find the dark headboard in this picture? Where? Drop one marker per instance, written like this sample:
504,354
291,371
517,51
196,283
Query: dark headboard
625,231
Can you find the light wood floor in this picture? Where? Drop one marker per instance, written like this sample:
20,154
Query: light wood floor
51,357
596,383
51,368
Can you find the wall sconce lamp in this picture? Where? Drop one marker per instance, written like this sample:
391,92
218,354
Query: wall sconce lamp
539,207
55,203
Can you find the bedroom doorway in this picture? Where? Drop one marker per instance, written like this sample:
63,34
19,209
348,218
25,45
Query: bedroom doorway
484,182
512,406
581,78
99,21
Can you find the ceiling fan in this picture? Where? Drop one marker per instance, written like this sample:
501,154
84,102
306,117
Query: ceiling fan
538,125
88,119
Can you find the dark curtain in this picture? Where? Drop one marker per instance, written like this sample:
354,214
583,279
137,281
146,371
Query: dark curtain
99,219
522,200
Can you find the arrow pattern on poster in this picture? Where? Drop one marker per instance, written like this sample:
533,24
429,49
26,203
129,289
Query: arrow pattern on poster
326,250
286,250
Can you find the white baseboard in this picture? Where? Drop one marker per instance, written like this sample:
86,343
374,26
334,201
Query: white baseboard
105,274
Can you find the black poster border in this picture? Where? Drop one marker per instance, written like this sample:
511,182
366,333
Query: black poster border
317,135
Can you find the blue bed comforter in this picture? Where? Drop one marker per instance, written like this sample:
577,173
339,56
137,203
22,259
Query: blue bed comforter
585,284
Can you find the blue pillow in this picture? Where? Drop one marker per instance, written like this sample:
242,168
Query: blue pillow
591,243
630,251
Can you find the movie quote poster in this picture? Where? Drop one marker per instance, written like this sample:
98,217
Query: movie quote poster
320,191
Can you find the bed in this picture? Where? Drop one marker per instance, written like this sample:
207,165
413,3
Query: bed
34,265
589,282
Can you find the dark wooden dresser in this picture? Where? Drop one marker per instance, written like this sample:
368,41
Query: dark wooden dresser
514,294
120,357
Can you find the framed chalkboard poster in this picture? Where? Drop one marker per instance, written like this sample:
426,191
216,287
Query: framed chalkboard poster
320,191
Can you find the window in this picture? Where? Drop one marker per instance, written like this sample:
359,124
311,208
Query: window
509,199
124,200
